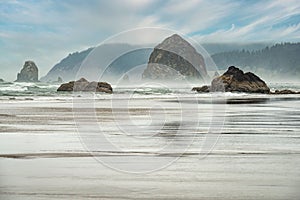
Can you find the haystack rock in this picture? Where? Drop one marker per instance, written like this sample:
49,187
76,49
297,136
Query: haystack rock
29,73
85,86
175,58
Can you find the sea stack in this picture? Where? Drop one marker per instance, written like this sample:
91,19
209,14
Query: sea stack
235,80
29,73
175,58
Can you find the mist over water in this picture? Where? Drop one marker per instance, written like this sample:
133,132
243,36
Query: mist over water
138,87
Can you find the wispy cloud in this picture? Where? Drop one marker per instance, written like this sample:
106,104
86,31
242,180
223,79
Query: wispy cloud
46,31
261,20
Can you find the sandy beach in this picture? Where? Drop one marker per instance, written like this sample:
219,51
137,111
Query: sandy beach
43,156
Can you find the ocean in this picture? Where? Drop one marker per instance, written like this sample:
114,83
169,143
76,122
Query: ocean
148,142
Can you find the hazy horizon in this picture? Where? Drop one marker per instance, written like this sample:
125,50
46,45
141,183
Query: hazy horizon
211,48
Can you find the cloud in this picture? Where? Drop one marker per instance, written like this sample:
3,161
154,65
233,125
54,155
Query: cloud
260,25
46,31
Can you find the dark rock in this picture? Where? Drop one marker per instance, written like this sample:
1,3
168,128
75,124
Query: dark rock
284,92
235,80
29,73
203,89
1,80
27,98
85,86
67,87
175,58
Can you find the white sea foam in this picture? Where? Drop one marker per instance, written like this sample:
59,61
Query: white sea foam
13,87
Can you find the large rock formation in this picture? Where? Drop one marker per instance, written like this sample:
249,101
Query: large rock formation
235,80
85,86
175,58
29,73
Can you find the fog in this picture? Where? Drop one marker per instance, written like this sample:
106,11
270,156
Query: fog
110,62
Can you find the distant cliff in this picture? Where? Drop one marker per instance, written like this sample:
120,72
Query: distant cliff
277,61
67,67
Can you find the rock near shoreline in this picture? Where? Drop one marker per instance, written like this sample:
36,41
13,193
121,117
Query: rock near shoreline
203,89
85,86
235,80
284,92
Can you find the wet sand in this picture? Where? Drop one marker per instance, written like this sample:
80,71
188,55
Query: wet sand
257,156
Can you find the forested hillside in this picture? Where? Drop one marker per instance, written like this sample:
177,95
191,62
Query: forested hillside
280,60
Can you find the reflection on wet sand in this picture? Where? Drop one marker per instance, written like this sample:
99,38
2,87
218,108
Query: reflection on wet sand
43,157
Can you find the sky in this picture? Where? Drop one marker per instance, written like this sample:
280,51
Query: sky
47,31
